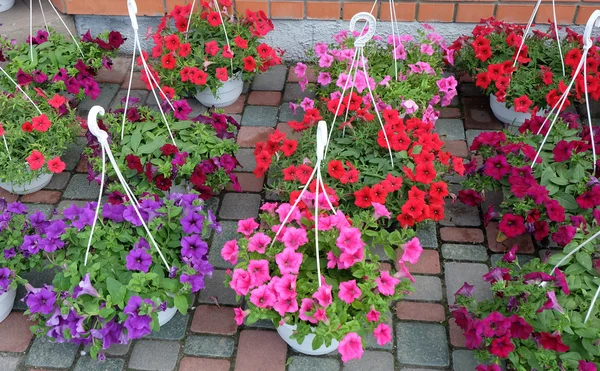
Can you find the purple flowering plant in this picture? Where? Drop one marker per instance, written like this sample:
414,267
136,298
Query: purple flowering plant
536,316
204,158
57,65
26,239
118,295
558,196
420,86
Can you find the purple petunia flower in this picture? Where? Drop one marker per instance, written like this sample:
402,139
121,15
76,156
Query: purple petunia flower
138,259
61,75
41,300
193,247
85,288
5,279
131,216
197,281
50,244
113,212
17,208
214,225
31,244
56,229
192,223
182,109
10,253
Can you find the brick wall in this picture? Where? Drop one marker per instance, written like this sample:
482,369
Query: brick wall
469,11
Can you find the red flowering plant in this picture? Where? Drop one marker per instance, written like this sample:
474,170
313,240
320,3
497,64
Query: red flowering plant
203,159
277,273
31,142
535,319
187,57
556,197
58,65
417,63
359,166
537,80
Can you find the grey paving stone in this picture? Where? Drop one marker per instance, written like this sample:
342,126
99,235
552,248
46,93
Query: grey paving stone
237,118
212,346
246,87
260,116
294,93
73,154
459,214
142,95
36,279
229,233
107,93
304,363
59,181
286,114
371,361
174,330
239,206
65,204
273,79
427,288
118,349
45,209
450,129
46,353
261,323
464,360
471,134
197,107
523,259
86,363
422,344
10,362
464,252
80,188
427,234
371,342
215,288
154,355
245,157
457,274
213,204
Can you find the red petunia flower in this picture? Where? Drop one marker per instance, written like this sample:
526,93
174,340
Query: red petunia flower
362,197
502,346
249,63
57,101
425,173
172,42
168,61
162,183
168,149
264,51
483,53
552,342
211,48
240,42
414,208
289,173
335,168
436,211
199,77
405,220
289,147
438,190
56,165
134,163
378,194
35,160
27,127
483,80
512,225
573,57
470,197
303,173
522,104
214,19
41,123
221,74
185,50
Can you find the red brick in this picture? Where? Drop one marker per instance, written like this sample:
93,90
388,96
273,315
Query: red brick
523,241
237,106
435,12
260,350
466,235
82,165
14,333
420,311
210,319
478,114
457,148
264,98
323,9
450,113
287,9
42,197
429,262
136,82
290,133
116,75
203,364
249,182
311,75
9,197
405,12
457,337
248,136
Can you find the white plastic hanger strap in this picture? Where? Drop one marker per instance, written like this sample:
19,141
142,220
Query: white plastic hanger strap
224,31
102,137
20,89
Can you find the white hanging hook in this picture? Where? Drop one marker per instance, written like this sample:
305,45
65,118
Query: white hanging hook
132,10
102,137
593,21
362,39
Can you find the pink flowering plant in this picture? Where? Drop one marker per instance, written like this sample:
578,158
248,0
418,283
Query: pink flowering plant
57,65
203,159
558,196
118,295
420,84
277,273
535,320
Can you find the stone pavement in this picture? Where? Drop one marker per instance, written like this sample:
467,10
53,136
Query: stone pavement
459,249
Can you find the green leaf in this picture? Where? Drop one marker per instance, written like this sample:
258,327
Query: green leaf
181,303
152,146
136,139
116,290
389,251
584,259
566,200
559,181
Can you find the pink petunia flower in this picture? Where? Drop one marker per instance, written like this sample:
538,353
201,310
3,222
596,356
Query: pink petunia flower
293,238
383,334
324,78
259,243
300,70
289,261
323,296
263,297
240,314
259,271
412,251
373,315
403,272
349,291
230,251
247,226
386,284
351,347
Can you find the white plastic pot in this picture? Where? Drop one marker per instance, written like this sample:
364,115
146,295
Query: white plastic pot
285,331
7,300
508,115
226,94
6,4
166,315
24,189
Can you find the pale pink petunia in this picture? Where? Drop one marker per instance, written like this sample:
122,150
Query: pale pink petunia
351,347
293,238
259,243
344,81
285,287
324,78
259,271
321,49
380,211
399,52
325,61
426,49
230,251
406,38
288,261
332,260
409,106
403,272
263,297
383,334
412,251
335,95
339,220
284,209
286,305
303,83
373,315
247,226
307,103
360,82
240,314
349,240
386,80
300,69
320,315
386,284
323,296
240,282
349,291
269,207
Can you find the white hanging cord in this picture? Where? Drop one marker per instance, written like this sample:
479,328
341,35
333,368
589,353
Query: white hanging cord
102,138
393,19
128,89
87,250
132,9
224,31
31,30
187,28
6,146
562,61
67,28
44,17
587,106
22,91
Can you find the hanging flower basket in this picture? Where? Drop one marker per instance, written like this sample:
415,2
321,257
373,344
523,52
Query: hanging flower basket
34,185
509,115
286,331
6,5
7,300
225,95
